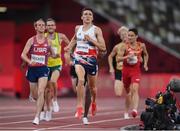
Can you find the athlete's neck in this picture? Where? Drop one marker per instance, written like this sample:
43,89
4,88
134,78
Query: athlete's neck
40,37
124,41
51,35
133,43
86,26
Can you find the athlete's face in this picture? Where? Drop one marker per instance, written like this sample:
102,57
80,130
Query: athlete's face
87,16
40,26
132,37
123,34
50,26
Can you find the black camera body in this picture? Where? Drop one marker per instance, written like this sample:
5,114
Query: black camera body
161,112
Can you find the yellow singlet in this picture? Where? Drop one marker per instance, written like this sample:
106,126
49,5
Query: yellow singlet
56,45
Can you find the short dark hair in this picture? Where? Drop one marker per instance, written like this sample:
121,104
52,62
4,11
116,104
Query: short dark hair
35,22
50,19
86,8
134,30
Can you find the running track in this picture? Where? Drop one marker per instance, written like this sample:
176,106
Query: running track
18,114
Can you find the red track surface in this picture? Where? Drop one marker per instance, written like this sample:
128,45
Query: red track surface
18,115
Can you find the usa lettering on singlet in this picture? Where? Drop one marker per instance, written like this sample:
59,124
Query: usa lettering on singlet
39,52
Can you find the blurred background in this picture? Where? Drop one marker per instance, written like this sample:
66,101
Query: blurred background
158,23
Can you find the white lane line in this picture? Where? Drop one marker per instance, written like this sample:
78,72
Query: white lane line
79,124
76,128
23,109
13,107
36,129
61,118
4,117
17,128
94,122
30,114
16,111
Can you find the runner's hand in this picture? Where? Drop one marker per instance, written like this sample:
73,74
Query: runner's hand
87,38
67,49
32,63
23,65
111,70
145,67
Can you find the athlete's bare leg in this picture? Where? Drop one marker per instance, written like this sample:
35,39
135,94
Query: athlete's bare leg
48,96
42,83
80,86
33,90
87,105
128,102
80,71
92,85
135,95
118,87
34,96
74,83
135,98
54,87
87,101
54,78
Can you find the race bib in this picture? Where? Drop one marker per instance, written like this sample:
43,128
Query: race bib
55,50
38,59
132,60
82,47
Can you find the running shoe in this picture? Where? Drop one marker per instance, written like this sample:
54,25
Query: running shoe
93,109
134,113
36,121
48,115
42,116
126,116
31,99
79,112
55,106
85,121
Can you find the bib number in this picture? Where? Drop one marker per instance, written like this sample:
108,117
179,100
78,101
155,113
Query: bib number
132,60
38,59
82,47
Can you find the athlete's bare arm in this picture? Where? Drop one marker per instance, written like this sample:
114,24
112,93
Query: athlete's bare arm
146,56
110,59
121,53
72,43
100,43
67,58
26,50
68,49
23,65
64,38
